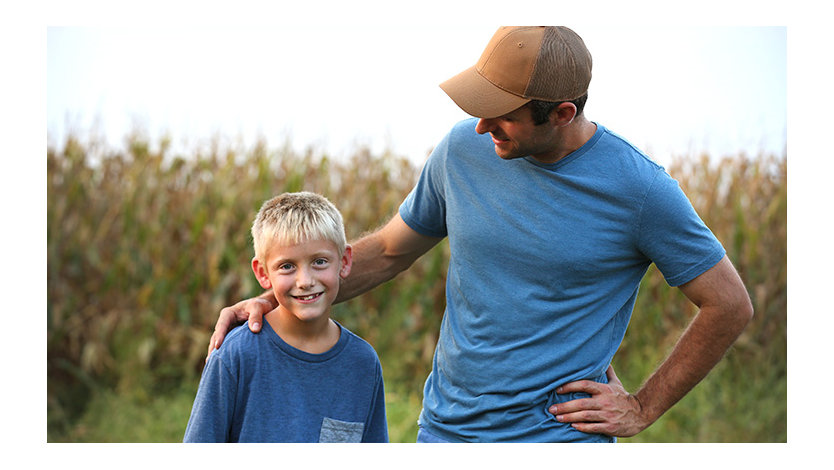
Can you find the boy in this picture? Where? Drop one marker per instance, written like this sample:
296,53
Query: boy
308,379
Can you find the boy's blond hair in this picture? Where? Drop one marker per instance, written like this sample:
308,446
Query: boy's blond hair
295,218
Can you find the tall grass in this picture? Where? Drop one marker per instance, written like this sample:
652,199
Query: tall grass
744,201
145,247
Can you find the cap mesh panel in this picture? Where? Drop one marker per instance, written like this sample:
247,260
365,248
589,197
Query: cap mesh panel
556,77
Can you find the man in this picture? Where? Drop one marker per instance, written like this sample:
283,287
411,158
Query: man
552,222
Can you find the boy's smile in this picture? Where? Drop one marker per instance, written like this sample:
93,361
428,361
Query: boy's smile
308,298
305,279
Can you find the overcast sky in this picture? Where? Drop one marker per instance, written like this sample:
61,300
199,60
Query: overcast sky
671,89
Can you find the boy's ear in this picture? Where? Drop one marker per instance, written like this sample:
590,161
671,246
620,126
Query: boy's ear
347,262
260,273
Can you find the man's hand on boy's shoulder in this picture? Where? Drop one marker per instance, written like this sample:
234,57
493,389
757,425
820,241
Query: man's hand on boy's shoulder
252,310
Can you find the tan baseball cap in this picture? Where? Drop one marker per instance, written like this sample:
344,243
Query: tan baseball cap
522,63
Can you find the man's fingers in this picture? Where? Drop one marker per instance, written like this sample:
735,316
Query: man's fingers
252,310
593,428
227,316
583,416
574,406
256,317
586,386
610,410
255,313
612,377
214,342
594,423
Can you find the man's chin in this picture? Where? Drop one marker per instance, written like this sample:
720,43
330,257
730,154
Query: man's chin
506,155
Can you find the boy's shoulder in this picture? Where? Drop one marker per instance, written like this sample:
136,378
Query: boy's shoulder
238,342
358,346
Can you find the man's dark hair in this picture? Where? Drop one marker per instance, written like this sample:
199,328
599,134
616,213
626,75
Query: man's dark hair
541,109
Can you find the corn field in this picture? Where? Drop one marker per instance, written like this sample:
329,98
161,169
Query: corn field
145,247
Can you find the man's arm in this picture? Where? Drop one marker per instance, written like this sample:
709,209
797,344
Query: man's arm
381,255
377,258
725,310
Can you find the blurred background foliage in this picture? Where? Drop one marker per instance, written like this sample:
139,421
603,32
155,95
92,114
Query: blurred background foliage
145,247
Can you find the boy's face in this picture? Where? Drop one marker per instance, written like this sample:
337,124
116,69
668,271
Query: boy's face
304,277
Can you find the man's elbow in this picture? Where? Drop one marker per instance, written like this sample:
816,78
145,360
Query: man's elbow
743,310
734,311
748,310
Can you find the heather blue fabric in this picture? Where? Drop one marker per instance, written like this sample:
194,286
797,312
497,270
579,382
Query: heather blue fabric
425,437
546,261
257,388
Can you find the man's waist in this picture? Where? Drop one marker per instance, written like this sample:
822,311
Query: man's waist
495,415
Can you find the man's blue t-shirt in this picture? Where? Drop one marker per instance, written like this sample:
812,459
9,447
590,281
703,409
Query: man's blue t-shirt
258,388
546,261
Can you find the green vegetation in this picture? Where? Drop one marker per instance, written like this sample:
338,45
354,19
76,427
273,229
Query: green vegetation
145,248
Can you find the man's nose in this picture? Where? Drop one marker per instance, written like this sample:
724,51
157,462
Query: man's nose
485,125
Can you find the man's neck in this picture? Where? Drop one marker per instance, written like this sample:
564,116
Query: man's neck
577,134
568,139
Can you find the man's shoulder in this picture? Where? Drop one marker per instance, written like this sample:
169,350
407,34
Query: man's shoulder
624,148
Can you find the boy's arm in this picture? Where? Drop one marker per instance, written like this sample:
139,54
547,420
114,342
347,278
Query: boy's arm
377,426
377,258
211,416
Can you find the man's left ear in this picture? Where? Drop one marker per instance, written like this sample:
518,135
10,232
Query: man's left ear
563,114
347,262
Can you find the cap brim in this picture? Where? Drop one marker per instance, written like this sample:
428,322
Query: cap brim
479,97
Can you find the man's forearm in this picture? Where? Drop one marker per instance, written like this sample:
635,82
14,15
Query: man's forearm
371,267
700,348
380,256
725,310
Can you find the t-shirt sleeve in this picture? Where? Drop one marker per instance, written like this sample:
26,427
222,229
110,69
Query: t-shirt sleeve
211,415
424,209
377,429
673,236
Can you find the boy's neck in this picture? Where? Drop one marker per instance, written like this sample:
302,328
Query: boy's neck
311,337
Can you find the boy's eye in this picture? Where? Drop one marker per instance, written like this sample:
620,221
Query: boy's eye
285,267
320,262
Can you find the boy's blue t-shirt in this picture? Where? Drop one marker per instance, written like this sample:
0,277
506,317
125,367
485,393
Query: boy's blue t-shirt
258,388
545,265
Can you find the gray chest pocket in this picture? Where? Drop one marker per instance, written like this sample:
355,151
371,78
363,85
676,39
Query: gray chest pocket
333,430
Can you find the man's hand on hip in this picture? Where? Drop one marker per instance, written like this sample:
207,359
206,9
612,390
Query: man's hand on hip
610,409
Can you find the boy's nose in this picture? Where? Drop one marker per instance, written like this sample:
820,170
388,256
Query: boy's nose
304,279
